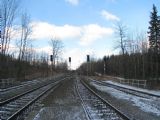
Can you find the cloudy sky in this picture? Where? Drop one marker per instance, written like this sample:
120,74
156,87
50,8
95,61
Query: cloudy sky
85,26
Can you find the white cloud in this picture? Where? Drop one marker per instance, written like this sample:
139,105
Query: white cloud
67,31
43,30
73,2
85,35
93,32
108,16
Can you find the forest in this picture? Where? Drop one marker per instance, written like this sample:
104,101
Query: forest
140,60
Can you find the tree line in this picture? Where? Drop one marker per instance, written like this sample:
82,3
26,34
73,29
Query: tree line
23,60
137,58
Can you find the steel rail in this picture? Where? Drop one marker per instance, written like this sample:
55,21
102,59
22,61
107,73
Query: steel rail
24,93
124,88
20,111
23,108
106,102
20,95
83,104
23,84
19,86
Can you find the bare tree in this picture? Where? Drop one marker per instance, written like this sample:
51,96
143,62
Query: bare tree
8,11
26,30
30,54
137,43
121,33
142,41
23,42
57,47
122,42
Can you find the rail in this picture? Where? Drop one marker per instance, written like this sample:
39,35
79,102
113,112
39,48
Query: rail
124,88
26,101
20,111
119,113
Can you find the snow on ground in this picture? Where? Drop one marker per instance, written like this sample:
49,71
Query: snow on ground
155,92
60,112
37,117
147,105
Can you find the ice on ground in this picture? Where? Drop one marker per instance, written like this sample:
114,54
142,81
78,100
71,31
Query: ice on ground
155,92
147,105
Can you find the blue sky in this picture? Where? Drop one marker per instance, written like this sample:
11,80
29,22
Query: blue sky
86,26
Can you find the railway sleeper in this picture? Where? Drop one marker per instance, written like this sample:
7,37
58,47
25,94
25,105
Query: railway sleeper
12,105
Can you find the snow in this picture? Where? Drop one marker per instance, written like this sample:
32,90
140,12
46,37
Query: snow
60,112
145,104
37,117
154,92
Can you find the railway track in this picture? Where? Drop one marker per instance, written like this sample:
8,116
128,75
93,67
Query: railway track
16,91
128,90
19,90
19,86
95,107
27,84
16,108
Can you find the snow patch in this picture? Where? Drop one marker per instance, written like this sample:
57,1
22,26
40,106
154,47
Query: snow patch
37,117
147,105
61,112
155,92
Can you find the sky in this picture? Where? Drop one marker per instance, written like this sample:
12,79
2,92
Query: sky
85,26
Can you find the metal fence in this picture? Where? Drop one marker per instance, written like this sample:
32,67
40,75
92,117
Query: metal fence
134,82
